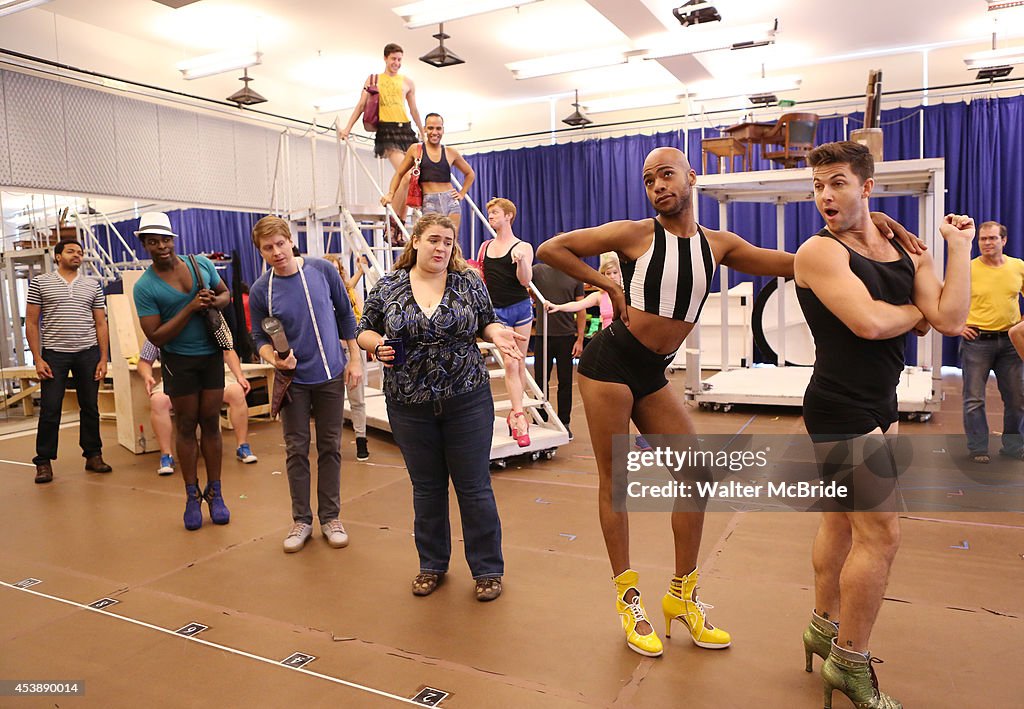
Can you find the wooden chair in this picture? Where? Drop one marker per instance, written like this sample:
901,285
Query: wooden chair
791,139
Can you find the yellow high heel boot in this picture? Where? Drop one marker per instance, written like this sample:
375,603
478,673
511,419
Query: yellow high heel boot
681,603
818,638
852,674
631,612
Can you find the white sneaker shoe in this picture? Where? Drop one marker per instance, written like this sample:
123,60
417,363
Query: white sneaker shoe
335,533
297,537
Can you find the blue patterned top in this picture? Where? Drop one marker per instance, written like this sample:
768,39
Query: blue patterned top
441,356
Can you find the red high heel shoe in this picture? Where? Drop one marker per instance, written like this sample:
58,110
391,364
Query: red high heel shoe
523,439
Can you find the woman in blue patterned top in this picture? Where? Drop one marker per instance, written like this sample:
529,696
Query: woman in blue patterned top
439,398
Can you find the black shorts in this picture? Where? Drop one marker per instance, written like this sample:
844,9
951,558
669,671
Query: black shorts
184,375
829,420
392,136
615,355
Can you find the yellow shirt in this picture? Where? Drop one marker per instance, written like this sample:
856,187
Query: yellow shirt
392,98
994,293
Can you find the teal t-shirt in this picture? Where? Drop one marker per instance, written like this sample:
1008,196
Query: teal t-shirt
154,296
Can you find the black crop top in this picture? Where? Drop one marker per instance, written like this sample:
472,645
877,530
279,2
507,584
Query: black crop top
439,171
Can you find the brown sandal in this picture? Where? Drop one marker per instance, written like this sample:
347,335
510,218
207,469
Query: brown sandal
426,582
980,458
488,589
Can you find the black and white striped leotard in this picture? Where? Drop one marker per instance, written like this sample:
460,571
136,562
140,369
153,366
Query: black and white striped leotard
673,277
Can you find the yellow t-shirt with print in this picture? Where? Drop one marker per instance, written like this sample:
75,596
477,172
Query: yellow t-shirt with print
994,294
392,98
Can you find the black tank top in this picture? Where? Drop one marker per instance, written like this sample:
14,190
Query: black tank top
849,369
439,171
502,283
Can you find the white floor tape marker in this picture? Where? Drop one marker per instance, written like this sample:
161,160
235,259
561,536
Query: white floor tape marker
241,653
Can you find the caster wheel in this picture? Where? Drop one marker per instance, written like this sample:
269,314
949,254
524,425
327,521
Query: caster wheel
924,416
726,408
499,464
549,454
535,456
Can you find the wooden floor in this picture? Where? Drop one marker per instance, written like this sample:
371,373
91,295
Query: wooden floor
951,631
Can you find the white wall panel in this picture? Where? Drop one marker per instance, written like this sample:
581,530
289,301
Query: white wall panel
138,148
35,130
91,140
217,183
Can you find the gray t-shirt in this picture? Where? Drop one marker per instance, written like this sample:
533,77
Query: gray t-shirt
557,287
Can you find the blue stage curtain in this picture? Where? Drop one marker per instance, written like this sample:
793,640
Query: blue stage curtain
202,231
570,186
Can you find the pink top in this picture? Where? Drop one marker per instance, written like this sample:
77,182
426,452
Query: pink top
607,313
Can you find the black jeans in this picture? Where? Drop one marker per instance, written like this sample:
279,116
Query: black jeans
83,366
559,349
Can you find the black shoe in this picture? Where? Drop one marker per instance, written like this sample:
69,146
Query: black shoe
569,431
362,452
44,473
95,464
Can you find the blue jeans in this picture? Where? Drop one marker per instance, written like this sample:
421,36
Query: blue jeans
83,366
978,357
451,439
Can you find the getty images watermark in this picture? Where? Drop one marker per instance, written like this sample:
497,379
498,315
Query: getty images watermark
909,473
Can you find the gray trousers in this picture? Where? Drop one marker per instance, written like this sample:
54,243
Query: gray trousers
325,403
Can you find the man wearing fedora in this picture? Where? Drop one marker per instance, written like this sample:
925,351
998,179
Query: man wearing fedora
67,309
170,298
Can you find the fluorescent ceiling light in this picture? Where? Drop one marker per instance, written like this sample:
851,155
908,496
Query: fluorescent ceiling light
218,63
995,57
563,63
632,101
711,90
334,104
423,14
9,7
680,42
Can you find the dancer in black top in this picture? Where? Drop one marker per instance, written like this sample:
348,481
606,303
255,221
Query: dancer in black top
861,294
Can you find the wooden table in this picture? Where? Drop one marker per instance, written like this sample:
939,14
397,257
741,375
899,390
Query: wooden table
723,147
748,134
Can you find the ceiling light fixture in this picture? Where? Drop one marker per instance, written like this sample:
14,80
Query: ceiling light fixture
577,119
713,90
696,12
335,104
574,61
440,56
678,43
218,63
246,96
633,101
425,14
1003,4
9,7
995,57
765,99
993,72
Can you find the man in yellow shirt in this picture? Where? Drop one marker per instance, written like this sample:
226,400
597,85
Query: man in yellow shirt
997,282
394,130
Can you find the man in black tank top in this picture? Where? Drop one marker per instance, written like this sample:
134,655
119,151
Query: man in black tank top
861,295
622,371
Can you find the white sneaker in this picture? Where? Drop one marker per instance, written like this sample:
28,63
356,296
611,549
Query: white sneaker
335,533
297,537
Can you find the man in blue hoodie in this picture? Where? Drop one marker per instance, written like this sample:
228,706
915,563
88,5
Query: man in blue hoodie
288,292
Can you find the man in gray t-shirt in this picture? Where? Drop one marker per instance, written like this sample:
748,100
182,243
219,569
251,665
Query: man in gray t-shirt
565,334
